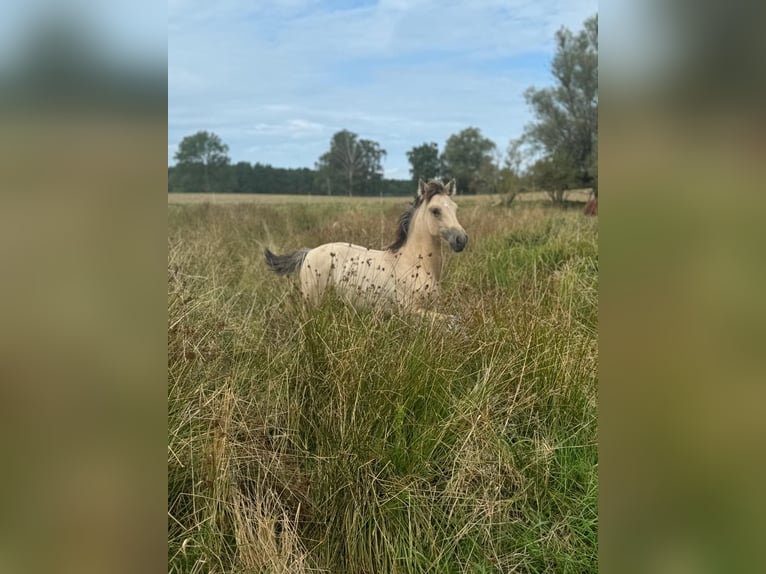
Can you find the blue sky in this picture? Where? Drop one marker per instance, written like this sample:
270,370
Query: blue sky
277,78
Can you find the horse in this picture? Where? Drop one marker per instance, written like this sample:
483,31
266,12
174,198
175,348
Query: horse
407,273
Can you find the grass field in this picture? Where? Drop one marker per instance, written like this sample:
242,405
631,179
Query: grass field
345,441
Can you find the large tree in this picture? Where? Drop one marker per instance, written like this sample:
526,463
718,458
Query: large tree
564,135
350,164
202,161
425,161
468,157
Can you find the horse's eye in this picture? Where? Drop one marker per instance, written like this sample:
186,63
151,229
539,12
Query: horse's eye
436,211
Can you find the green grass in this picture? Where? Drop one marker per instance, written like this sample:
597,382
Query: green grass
342,440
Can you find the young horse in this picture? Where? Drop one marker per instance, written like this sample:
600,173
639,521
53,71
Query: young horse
407,273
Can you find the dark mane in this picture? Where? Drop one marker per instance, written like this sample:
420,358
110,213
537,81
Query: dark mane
403,227
432,187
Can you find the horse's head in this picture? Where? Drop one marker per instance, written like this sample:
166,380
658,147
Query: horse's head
440,212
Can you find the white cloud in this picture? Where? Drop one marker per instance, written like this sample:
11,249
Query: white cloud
295,128
303,126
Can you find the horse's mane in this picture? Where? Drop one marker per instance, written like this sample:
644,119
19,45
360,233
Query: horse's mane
432,187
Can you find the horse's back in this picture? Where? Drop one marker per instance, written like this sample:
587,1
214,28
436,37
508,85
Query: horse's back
339,247
350,268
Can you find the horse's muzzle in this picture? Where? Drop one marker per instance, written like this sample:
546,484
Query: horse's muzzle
457,240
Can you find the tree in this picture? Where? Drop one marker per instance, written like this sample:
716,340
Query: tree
468,157
243,177
202,159
425,162
350,164
488,177
564,135
552,175
513,177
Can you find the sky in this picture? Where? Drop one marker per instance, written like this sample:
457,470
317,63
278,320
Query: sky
275,79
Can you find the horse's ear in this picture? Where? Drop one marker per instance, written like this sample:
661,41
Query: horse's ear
421,188
451,187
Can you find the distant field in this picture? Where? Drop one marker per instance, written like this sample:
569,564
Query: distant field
344,441
223,198
269,198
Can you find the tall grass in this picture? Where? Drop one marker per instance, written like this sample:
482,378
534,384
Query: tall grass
343,440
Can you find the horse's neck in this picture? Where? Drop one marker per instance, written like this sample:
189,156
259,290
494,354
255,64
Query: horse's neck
425,248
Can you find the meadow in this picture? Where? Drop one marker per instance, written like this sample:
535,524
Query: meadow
347,440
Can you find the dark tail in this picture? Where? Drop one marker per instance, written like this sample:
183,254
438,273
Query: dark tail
284,264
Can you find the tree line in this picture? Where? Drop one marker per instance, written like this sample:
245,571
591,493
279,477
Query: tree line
221,176
352,166
556,152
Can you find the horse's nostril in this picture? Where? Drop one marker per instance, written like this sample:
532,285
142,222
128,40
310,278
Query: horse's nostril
459,242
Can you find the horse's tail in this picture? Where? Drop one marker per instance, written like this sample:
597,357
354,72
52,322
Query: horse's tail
284,264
